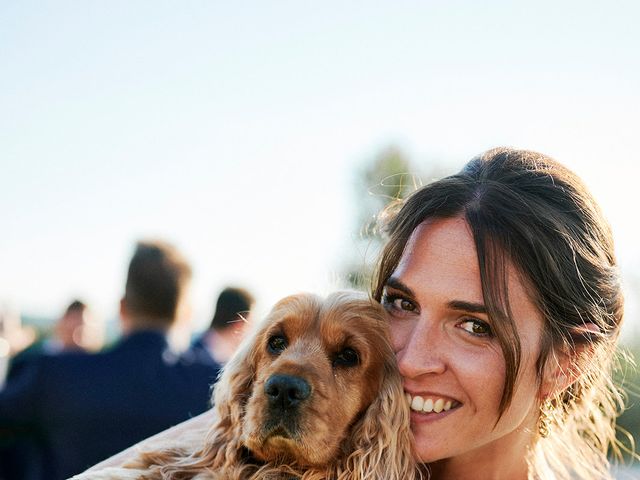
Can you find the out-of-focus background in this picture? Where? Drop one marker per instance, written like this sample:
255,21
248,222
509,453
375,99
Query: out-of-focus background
260,137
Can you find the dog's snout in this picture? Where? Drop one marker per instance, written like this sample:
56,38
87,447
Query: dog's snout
286,391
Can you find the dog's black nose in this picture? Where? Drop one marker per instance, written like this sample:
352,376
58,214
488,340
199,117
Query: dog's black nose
286,391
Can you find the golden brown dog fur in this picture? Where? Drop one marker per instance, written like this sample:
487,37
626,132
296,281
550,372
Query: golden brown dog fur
353,426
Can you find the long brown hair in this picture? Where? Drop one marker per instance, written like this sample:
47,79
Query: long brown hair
527,210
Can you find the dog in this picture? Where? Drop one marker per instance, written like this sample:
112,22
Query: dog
314,394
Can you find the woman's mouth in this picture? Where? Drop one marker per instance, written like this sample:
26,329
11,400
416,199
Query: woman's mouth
429,404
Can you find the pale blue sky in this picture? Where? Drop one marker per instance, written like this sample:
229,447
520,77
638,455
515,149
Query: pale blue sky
235,129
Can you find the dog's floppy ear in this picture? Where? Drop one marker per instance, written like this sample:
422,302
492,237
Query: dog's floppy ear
231,392
222,446
183,458
382,441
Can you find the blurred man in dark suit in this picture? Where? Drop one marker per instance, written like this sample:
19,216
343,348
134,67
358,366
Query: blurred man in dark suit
87,407
76,330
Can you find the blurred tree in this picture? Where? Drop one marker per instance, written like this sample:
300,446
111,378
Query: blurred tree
629,422
628,375
381,184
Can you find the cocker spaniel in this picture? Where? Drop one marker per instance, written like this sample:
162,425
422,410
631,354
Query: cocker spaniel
314,395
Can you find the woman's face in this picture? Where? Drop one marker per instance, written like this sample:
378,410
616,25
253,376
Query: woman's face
452,363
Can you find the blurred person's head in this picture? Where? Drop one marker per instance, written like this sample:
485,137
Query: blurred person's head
155,293
78,328
230,323
233,308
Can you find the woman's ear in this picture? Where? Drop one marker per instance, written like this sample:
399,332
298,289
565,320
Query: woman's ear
558,374
566,364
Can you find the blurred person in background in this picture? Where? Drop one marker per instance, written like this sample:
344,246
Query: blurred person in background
76,330
228,327
85,407
14,337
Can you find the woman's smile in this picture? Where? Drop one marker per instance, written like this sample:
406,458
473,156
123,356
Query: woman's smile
427,408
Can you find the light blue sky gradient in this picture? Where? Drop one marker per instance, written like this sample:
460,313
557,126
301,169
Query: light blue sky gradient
235,129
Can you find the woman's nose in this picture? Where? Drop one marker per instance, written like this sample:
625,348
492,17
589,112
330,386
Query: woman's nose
422,351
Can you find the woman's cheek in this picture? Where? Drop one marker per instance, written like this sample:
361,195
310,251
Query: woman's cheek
399,333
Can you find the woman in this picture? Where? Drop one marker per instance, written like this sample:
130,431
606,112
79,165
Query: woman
505,307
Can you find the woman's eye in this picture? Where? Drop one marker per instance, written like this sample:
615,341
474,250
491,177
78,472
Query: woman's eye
397,303
476,327
347,357
277,344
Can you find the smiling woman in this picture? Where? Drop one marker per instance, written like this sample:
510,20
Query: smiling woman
505,307
504,304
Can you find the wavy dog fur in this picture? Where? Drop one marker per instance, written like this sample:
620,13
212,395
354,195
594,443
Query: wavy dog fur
352,424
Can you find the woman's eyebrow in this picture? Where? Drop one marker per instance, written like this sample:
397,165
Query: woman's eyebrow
467,306
398,285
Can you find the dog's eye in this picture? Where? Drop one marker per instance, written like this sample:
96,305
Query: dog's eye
277,344
347,357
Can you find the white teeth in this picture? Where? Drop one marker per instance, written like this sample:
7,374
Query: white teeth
427,405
